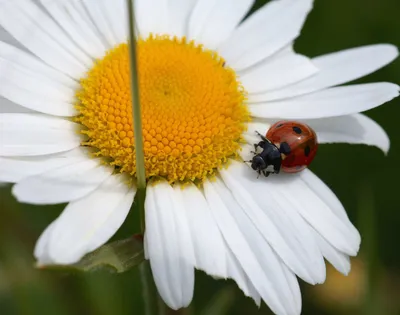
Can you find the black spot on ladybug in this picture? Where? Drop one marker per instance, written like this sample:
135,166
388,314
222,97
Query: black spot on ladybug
285,148
297,130
280,125
307,150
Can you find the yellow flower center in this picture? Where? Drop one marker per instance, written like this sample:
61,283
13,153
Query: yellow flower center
193,109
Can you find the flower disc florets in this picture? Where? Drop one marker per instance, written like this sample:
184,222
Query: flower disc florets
193,109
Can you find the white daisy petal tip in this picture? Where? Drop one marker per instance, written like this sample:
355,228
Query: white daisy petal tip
340,233
169,245
271,209
252,42
393,49
335,69
86,224
336,237
352,129
331,102
389,50
242,256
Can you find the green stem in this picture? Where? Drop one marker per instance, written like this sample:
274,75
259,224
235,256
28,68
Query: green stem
139,202
148,288
367,214
137,117
162,308
136,112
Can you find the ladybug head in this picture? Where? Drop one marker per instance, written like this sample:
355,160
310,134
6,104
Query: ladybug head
258,163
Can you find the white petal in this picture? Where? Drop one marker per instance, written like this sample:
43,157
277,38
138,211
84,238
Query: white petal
244,254
337,101
199,16
354,129
76,25
264,33
338,260
145,247
294,287
247,149
80,7
207,246
32,134
25,88
85,15
115,12
49,43
13,170
185,243
284,229
169,245
338,68
6,107
7,38
34,101
41,253
277,72
266,256
34,65
99,18
178,19
86,224
20,76
151,17
38,19
253,128
221,17
64,184
327,195
236,272
320,209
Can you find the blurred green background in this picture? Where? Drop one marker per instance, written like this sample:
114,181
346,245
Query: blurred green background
364,179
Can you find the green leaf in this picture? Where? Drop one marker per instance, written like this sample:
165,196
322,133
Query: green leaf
118,256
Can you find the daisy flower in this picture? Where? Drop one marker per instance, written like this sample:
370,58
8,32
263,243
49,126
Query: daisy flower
208,81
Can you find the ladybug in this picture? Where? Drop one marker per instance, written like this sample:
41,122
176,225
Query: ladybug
288,145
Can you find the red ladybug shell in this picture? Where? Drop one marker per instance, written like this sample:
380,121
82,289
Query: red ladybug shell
301,140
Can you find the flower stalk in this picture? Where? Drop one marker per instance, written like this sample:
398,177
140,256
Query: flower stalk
148,289
136,113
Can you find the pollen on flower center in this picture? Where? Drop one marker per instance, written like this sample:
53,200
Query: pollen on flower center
193,109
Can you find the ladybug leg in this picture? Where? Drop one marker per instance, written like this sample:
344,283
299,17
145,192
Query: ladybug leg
266,174
256,145
277,167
